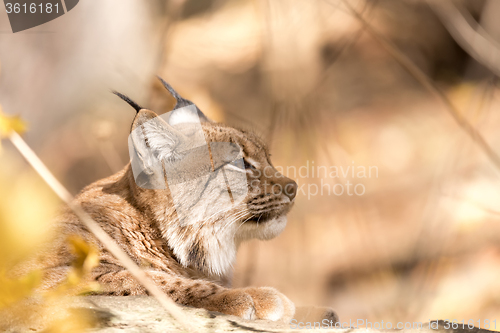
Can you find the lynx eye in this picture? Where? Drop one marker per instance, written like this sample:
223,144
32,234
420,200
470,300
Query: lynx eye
248,166
241,165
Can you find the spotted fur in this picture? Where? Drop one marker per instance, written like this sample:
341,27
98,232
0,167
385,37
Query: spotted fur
190,263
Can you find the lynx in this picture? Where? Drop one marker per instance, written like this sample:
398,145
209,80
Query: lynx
190,261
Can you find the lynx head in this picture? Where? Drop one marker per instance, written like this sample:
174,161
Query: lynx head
209,186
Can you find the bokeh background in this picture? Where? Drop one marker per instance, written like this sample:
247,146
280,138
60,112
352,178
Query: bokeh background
421,243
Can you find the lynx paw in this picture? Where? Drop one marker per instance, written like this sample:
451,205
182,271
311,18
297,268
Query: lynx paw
255,303
271,304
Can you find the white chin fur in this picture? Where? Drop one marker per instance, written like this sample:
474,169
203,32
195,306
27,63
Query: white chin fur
220,251
262,230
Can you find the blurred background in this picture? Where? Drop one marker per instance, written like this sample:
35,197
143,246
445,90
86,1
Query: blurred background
420,238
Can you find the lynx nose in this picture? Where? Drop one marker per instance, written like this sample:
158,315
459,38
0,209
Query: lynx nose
291,189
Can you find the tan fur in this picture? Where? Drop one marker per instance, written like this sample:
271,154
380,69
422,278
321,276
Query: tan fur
191,263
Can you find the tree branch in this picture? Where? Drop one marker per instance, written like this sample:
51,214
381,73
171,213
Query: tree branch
109,243
428,84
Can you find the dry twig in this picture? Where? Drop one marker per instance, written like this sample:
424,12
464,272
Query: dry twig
468,34
428,84
99,233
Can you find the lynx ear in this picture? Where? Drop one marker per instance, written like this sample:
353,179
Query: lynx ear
182,117
130,102
153,141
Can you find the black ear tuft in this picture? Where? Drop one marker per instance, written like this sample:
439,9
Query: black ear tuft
133,104
181,102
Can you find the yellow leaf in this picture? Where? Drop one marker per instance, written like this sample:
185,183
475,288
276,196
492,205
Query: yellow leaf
8,124
87,256
76,282
13,290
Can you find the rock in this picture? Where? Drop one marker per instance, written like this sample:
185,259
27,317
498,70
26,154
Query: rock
107,314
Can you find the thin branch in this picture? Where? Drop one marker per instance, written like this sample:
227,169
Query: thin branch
428,84
468,34
348,43
109,243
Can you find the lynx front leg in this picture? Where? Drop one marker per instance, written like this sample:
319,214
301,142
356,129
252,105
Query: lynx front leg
248,303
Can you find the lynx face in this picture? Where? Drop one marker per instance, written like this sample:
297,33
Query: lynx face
216,182
194,190
270,194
